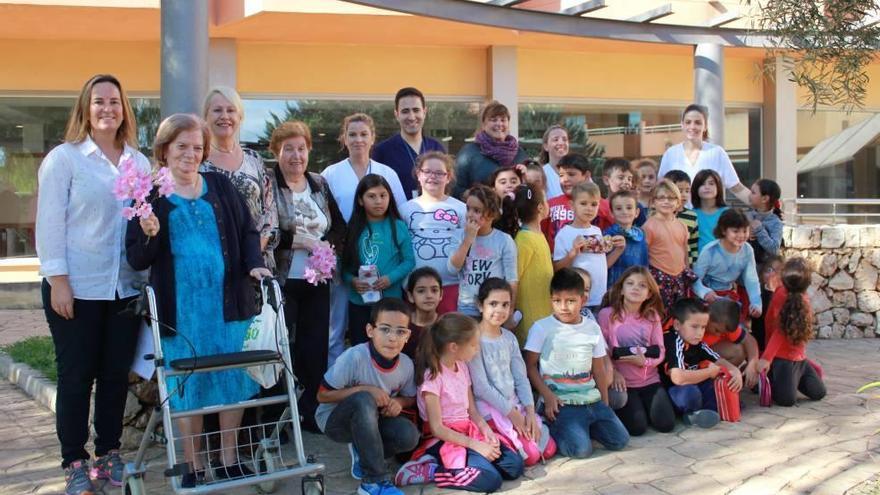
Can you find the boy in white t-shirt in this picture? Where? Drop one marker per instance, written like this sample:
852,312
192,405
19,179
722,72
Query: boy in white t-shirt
582,245
564,356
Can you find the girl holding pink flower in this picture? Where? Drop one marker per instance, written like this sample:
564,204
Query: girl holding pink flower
309,221
87,281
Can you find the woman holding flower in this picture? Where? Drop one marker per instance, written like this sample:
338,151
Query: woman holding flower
308,218
87,281
203,250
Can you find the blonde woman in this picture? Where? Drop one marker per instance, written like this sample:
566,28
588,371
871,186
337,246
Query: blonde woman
87,282
224,112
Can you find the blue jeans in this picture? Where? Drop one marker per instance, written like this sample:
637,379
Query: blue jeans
356,420
690,398
576,426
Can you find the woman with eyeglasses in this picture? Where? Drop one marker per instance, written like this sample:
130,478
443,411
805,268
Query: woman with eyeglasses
436,222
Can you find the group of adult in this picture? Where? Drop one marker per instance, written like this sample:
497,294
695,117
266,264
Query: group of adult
230,222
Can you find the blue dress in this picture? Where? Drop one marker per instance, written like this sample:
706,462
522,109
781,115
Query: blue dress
199,269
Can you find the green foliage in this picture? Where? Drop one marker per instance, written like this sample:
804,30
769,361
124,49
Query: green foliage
825,46
535,119
20,173
36,352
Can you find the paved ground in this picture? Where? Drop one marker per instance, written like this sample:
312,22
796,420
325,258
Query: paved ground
822,447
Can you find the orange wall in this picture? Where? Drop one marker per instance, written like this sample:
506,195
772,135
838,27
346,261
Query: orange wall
561,74
622,75
350,69
742,82
30,65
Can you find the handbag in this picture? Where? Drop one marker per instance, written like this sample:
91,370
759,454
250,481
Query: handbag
263,335
764,395
728,400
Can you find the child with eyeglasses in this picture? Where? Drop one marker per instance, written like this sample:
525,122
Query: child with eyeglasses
363,394
436,222
667,239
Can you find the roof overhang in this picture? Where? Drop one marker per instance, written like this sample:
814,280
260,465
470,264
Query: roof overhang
841,147
559,23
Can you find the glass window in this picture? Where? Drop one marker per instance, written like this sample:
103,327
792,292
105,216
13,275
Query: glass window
638,131
29,128
449,122
848,172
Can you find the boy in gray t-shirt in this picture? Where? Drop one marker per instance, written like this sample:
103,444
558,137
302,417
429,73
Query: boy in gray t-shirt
364,392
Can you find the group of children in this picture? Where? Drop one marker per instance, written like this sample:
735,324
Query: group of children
533,327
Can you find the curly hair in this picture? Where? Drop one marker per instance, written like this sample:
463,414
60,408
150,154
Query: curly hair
796,316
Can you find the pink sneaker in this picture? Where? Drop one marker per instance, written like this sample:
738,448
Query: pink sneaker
416,472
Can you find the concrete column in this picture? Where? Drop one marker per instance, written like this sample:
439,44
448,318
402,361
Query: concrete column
223,58
504,82
780,129
709,86
184,55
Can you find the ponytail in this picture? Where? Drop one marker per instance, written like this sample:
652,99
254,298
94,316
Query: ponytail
796,316
769,188
451,328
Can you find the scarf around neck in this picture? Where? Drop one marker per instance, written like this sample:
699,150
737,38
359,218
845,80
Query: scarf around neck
503,152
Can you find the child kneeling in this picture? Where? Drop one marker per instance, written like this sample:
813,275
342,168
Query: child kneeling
565,362
691,366
363,394
461,451
501,385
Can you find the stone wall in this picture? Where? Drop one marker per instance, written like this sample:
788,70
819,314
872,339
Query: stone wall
845,292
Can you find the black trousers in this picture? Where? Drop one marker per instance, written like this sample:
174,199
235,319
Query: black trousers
789,377
358,317
647,405
307,314
96,346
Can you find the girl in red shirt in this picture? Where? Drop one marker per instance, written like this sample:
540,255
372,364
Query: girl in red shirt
788,327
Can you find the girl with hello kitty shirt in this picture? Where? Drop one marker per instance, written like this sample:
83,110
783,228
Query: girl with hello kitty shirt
436,222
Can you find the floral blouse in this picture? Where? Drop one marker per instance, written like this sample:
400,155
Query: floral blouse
252,182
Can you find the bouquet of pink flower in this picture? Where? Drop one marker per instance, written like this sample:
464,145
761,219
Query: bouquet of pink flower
135,184
320,264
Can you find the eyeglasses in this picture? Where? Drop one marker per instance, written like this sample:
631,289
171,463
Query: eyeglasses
664,198
439,174
388,332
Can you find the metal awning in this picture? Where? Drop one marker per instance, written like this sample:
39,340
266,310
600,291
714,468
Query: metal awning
841,147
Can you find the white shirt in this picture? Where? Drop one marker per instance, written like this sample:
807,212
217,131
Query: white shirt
343,182
712,157
554,187
80,227
595,264
436,229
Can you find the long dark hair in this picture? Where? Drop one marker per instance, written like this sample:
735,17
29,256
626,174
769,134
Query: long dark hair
448,329
769,188
351,253
522,208
699,179
796,315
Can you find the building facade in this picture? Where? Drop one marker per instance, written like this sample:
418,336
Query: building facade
618,78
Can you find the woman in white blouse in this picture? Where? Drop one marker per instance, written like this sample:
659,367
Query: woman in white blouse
87,281
358,135
695,154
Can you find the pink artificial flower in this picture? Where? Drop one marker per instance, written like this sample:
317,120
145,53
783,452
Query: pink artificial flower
128,212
